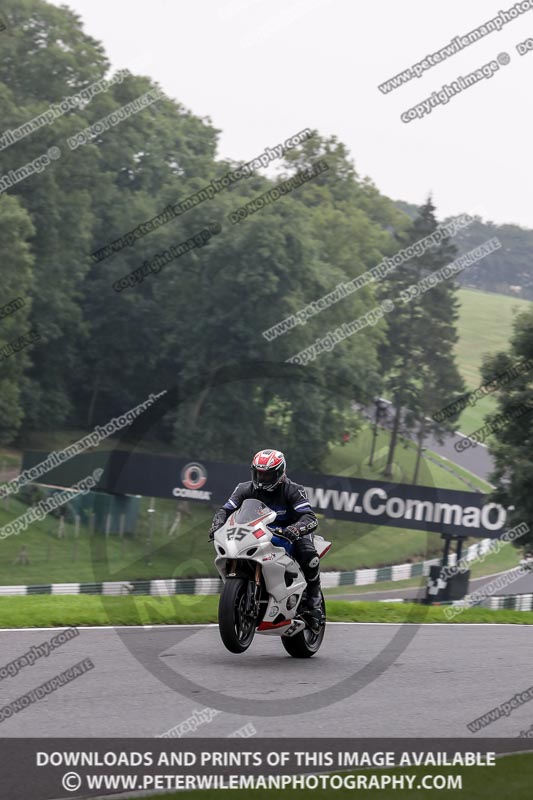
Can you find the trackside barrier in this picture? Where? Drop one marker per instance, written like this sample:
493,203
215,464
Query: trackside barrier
513,602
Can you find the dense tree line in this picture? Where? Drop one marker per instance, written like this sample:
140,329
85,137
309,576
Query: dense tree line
199,320
506,271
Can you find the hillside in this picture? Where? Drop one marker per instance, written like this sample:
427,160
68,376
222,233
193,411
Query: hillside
485,326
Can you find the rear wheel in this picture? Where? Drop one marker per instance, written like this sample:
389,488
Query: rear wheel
306,643
236,623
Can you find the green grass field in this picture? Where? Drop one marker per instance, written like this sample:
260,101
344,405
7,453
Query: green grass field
485,326
509,779
42,611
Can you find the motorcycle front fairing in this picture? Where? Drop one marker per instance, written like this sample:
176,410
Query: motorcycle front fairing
245,535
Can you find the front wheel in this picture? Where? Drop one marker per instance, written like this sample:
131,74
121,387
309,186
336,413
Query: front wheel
306,643
235,622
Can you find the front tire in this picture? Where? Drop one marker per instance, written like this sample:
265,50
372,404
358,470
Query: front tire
306,643
237,629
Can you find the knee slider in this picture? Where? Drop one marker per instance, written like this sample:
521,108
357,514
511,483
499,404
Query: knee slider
311,569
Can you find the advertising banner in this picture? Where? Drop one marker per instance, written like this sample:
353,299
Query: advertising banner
426,508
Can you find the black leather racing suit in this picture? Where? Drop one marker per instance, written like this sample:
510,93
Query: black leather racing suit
289,501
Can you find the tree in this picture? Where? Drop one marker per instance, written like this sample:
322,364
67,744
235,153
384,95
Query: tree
507,270
272,264
202,317
418,358
90,362
17,262
57,199
511,443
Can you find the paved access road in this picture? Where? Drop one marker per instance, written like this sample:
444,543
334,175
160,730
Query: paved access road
522,585
476,460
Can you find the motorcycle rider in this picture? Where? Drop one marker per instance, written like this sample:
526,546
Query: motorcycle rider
271,486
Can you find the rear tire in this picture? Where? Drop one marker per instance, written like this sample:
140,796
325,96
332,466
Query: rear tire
306,643
236,629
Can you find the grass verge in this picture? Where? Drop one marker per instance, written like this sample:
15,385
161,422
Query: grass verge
511,777
43,611
508,558
484,486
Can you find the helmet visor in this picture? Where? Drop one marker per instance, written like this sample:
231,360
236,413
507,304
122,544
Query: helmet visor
265,477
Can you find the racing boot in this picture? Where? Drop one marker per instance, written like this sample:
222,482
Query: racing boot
314,615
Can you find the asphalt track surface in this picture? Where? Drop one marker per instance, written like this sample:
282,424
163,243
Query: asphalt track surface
367,680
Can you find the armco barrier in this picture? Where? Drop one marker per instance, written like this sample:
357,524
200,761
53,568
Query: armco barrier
169,586
513,602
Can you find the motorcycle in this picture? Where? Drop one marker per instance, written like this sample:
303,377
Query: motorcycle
264,590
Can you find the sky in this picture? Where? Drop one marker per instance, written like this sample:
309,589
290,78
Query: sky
262,70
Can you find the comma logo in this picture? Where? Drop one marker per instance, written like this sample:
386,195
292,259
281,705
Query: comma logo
193,476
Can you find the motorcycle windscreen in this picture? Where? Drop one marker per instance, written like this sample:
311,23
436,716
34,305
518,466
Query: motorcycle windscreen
251,511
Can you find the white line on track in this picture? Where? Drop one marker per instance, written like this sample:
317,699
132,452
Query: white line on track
479,444
117,627
214,625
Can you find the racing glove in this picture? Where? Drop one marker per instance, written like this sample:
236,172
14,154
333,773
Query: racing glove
291,533
218,521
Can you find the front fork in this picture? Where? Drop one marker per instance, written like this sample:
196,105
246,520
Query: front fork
253,593
253,590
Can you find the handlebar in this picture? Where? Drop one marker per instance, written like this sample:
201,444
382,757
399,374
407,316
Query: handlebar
279,532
